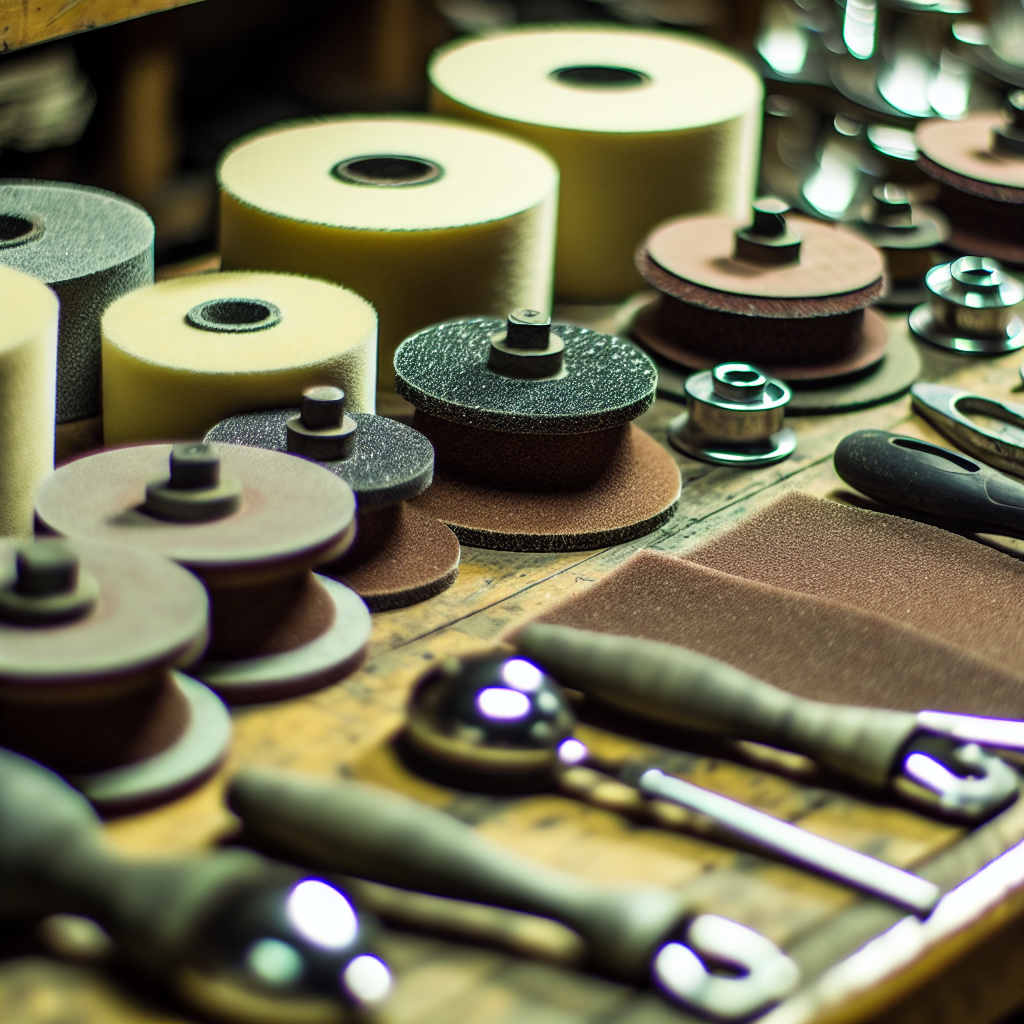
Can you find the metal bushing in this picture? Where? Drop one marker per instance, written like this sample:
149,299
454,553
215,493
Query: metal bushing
734,417
194,491
768,239
322,430
526,348
973,307
48,587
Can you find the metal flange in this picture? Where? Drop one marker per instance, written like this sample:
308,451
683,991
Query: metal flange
734,417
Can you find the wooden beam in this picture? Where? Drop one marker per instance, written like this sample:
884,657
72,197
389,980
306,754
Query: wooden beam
27,22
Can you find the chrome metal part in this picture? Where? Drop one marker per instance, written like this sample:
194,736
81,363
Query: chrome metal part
764,974
768,239
973,307
948,410
1002,733
734,417
899,887
960,781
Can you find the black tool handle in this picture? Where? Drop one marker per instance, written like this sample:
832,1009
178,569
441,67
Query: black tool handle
924,478
384,837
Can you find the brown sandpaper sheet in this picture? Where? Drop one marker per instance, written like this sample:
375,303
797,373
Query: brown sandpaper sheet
833,603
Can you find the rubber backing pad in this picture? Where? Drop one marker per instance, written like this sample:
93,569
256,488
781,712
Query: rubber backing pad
833,603
636,494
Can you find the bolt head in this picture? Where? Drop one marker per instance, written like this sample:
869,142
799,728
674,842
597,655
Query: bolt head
738,382
46,567
194,466
322,407
528,328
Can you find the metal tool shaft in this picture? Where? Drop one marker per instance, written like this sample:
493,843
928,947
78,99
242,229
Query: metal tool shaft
1001,733
857,869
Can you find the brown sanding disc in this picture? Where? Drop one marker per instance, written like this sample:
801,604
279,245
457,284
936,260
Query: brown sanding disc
400,557
835,604
293,512
638,491
981,191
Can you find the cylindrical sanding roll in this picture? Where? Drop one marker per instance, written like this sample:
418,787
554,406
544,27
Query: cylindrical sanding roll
183,354
91,247
28,367
644,125
427,218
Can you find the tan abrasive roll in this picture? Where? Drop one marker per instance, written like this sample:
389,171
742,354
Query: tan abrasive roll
644,125
428,219
28,375
183,354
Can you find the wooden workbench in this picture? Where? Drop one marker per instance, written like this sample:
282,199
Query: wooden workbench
965,965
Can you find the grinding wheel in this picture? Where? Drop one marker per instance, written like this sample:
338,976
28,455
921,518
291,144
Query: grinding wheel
549,462
981,183
89,636
797,311
276,629
400,556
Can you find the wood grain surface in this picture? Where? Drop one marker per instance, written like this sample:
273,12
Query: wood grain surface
27,22
961,966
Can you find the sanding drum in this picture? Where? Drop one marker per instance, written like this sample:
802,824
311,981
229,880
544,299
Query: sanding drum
91,247
250,524
426,218
531,427
979,165
644,125
91,635
181,355
28,368
400,556
790,297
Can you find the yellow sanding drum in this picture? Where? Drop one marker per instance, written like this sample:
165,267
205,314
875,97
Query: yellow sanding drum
645,125
182,355
28,381
427,218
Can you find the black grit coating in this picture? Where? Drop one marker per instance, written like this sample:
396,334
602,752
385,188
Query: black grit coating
443,371
93,248
391,462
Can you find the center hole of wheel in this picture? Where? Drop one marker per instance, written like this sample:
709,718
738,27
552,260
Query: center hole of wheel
600,76
387,170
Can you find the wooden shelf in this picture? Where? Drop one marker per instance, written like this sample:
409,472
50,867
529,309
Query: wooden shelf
27,22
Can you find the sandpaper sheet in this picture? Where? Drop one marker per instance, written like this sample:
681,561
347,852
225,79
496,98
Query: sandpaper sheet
833,603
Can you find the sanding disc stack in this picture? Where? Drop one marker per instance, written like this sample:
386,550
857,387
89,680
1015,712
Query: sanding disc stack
91,247
90,636
979,165
644,125
426,218
531,427
400,556
28,366
250,524
181,355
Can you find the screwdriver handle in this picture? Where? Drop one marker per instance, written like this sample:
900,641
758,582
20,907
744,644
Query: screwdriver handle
922,477
379,835
690,690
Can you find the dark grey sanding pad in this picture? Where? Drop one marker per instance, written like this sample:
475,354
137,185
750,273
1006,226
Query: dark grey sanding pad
90,246
443,371
391,461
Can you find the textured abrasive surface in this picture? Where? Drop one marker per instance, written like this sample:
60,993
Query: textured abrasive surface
807,645
391,462
636,494
953,589
94,246
400,557
443,371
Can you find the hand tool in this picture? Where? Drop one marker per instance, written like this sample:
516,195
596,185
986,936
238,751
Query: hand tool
933,761
922,477
636,934
230,933
948,410
504,716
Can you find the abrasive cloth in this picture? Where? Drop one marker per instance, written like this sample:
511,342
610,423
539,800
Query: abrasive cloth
477,238
90,246
163,378
676,131
28,368
833,603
